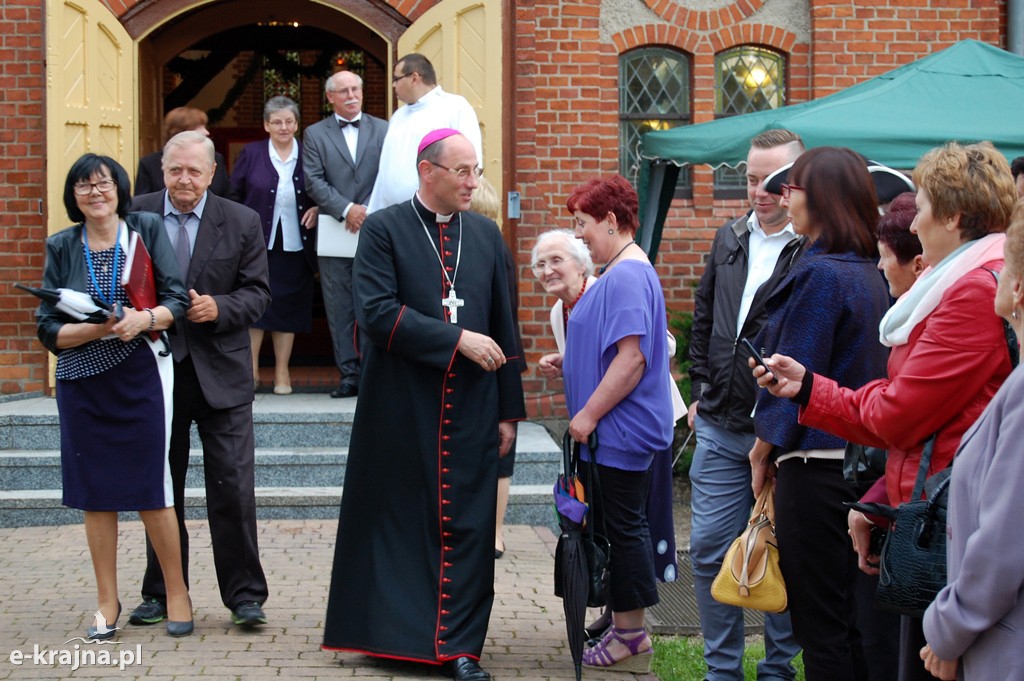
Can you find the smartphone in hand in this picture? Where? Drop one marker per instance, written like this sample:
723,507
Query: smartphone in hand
752,351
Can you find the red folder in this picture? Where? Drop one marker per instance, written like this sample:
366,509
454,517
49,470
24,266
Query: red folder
137,278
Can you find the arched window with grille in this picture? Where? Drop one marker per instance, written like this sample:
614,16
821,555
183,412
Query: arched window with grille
747,78
654,94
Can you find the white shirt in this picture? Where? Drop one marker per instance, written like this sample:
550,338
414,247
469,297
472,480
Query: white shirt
764,251
351,134
285,207
398,179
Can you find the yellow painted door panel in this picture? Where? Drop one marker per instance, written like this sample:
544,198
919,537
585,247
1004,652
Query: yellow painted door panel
463,40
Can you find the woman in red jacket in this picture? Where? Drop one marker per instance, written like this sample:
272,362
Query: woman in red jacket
949,352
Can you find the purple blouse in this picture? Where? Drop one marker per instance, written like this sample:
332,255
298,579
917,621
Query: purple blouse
627,301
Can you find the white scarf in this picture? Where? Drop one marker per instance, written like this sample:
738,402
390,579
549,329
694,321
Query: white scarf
924,296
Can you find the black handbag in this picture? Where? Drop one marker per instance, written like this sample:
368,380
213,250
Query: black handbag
863,465
913,557
596,546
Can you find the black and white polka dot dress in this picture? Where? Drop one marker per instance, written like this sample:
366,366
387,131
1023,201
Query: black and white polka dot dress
114,401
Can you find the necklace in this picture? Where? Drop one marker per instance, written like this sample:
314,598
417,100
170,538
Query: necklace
451,301
566,309
92,270
616,257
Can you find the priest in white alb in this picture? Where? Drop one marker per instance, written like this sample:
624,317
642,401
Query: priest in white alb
427,107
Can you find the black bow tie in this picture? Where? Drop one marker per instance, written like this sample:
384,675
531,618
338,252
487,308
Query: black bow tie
342,123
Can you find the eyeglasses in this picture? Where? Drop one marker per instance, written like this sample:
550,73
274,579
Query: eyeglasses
787,189
85,188
405,75
290,123
461,173
553,263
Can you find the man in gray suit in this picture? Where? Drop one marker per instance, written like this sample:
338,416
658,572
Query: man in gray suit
223,261
340,157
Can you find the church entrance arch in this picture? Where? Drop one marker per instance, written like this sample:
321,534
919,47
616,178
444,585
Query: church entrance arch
228,57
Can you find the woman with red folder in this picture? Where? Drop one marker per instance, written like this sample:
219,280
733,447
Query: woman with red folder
113,382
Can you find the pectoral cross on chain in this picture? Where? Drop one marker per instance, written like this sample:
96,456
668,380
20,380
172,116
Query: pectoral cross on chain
453,304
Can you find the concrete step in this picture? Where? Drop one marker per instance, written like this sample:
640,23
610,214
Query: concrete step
302,449
298,420
528,505
537,462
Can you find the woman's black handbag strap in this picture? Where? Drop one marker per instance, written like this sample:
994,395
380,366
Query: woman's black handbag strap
922,469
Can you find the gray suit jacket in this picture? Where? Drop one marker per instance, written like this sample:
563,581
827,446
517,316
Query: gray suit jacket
333,179
229,262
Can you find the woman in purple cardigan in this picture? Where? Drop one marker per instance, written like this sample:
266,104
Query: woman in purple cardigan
268,178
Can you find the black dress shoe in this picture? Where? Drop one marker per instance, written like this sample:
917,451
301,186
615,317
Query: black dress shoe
149,611
468,669
346,390
248,614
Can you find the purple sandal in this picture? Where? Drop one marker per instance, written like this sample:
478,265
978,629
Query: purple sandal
638,661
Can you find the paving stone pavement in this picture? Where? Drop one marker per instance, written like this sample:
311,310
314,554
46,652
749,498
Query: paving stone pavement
47,596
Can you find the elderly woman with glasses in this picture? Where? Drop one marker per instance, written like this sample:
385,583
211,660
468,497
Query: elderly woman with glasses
268,178
948,353
114,382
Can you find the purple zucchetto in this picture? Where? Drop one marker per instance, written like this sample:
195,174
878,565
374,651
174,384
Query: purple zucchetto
435,136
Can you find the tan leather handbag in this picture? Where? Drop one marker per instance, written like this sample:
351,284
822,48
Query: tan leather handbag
750,576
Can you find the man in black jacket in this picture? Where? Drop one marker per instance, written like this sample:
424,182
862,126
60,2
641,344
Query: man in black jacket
749,257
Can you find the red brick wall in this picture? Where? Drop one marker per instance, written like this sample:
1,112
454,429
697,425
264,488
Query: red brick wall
564,124
23,169
566,109
854,41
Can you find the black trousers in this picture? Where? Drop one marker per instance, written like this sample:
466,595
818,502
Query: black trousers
624,506
229,460
819,567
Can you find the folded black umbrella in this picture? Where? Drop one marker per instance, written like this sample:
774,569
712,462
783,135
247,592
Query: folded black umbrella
77,305
572,572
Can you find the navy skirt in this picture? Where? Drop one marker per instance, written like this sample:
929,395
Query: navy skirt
115,434
291,292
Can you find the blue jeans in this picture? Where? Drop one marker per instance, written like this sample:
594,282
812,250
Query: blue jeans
721,502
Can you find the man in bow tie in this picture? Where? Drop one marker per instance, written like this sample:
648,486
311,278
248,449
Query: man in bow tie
340,157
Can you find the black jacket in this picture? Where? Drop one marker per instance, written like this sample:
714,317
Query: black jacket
721,379
65,268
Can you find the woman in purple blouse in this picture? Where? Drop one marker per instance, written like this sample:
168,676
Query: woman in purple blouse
617,383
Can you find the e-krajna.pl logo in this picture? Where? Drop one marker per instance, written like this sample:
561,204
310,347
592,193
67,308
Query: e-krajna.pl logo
85,654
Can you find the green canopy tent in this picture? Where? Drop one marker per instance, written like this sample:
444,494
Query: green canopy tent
968,92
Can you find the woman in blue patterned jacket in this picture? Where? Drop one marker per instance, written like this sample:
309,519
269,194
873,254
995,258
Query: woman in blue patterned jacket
826,313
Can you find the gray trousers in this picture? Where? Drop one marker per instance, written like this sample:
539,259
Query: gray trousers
339,304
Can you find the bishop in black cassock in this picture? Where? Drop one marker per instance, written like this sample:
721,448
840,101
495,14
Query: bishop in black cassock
413,575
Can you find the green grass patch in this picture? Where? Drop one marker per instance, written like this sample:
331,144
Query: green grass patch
681,658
